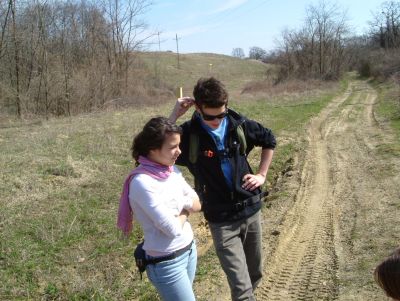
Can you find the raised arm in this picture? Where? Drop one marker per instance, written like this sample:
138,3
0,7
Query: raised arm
182,105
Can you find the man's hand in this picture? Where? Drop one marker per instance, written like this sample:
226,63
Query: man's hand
251,182
181,106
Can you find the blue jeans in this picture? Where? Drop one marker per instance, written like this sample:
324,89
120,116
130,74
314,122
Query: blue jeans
173,278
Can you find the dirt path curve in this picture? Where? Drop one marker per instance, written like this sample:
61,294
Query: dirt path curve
336,179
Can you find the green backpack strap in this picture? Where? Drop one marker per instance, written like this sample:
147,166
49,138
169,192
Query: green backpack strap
193,147
242,139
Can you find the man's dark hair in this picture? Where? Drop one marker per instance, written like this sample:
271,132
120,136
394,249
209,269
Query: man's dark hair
387,275
210,93
153,136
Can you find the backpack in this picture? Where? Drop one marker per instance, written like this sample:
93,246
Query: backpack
194,153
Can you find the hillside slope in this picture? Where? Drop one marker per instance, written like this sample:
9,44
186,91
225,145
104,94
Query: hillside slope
162,68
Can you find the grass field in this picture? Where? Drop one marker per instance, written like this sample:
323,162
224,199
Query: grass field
61,180
388,109
234,72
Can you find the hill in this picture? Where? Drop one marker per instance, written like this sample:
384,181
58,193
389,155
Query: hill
245,79
162,69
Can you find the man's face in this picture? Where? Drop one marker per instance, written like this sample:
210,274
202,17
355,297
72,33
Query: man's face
212,116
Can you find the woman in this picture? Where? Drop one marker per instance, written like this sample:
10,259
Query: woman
387,275
161,201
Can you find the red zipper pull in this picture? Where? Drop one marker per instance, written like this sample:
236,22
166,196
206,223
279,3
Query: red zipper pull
209,153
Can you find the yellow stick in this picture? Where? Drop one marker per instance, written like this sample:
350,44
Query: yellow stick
180,92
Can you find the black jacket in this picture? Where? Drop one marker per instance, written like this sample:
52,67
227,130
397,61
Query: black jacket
219,202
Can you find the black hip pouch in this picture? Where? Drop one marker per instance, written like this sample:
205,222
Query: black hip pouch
140,258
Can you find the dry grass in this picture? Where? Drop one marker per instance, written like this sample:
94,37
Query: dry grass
60,184
234,72
294,86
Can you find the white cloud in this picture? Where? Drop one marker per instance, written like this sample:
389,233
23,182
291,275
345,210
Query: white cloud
164,4
229,5
185,32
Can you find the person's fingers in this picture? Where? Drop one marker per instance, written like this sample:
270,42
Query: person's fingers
251,182
185,102
246,177
248,180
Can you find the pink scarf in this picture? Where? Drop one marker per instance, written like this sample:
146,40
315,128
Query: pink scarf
153,169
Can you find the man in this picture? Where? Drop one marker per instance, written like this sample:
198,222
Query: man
215,144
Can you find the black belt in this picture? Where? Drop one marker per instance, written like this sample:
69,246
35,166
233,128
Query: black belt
240,205
250,201
170,256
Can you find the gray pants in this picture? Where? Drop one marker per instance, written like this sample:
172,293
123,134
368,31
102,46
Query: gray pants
238,246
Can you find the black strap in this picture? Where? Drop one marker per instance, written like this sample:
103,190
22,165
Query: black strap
242,204
171,256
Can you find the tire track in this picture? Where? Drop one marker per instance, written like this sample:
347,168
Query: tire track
304,264
343,207
366,183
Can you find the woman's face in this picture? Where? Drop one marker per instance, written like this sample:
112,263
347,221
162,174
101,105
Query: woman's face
169,151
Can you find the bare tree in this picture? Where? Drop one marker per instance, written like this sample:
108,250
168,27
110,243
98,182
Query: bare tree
257,53
127,35
317,49
64,56
5,11
329,23
16,53
238,52
285,57
385,27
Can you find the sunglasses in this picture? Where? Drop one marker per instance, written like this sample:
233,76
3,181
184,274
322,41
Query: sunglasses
207,117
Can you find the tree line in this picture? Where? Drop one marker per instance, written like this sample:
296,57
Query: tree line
324,46
63,57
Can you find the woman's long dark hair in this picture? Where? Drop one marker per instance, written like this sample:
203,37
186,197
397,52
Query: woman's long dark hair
387,275
153,136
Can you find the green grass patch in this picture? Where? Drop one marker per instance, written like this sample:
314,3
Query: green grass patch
290,117
388,110
206,266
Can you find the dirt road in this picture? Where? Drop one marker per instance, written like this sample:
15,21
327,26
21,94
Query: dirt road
335,212
341,199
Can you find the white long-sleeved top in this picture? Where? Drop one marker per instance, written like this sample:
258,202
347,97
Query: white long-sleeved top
156,205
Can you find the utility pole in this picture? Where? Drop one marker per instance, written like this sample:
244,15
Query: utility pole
157,63
177,48
159,44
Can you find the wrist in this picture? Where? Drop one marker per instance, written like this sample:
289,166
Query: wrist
173,117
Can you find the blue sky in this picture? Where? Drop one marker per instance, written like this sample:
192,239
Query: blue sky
219,26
